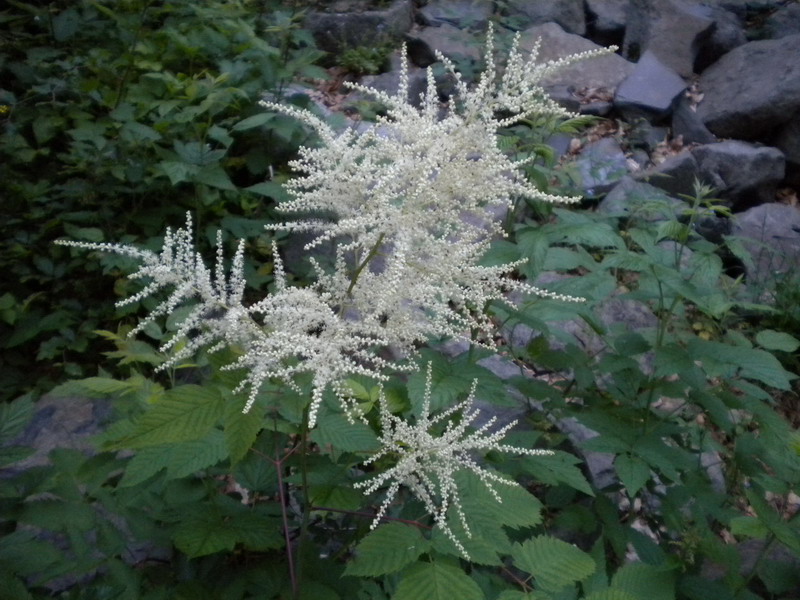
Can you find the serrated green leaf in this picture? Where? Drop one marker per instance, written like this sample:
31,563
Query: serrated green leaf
519,508
558,468
517,595
254,121
14,417
610,594
777,340
632,471
436,581
257,530
198,536
184,413
13,587
554,564
723,359
241,429
751,527
336,430
58,515
179,459
22,553
387,549
11,454
645,581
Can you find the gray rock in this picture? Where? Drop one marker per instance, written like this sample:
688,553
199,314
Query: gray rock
606,20
602,72
672,30
676,175
783,22
345,24
743,173
727,34
650,91
687,124
771,233
455,43
601,164
753,89
641,201
464,14
788,142
568,14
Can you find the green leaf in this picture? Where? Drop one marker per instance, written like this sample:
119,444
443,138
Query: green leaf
723,360
770,339
253,122
180,459
241,429
14,417
632,471
751,527
389,548
184,413
645,581
214,176
200,536
559,468
336,430
436,581
554,564
610,594
58,515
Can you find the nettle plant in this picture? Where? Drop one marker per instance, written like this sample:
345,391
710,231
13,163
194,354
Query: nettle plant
306,409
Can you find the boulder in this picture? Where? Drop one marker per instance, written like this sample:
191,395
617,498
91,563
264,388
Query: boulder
650,90
601,72
728,33
687,124
753,89
346,24
676,175
742,173
639,200
606,20
601,165
567,13
464,14
783,22
788,142
674,31
771,233
456,44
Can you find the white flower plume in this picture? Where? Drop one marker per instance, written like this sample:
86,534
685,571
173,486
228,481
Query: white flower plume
409,205
427,461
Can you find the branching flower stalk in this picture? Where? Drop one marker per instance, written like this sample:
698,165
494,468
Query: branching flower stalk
409,205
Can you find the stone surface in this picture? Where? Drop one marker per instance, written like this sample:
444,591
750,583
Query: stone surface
771,233
602,72
743,173
788,142
753,89
639,200
569,14
783,22
455,43
601,165
675,175
464,14
343,26
727,34
672,30
688,124
650,90
606,20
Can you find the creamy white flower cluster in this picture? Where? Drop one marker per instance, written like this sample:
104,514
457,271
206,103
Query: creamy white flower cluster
409,206
427,460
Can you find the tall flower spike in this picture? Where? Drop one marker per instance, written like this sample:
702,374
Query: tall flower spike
427,461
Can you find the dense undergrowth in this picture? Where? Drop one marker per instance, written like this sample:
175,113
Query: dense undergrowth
117,118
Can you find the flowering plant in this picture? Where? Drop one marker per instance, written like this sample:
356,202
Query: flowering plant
410,205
